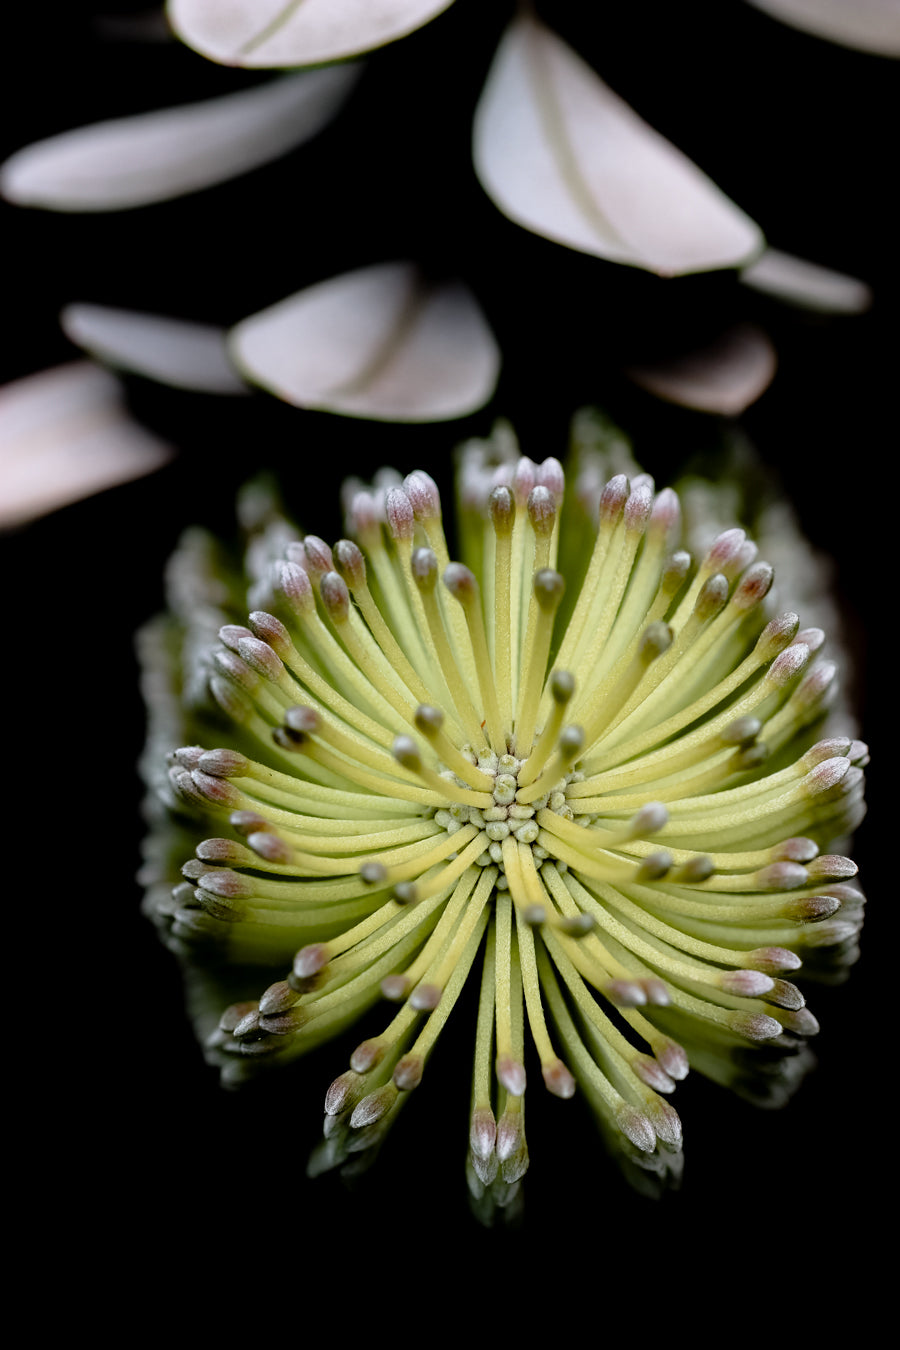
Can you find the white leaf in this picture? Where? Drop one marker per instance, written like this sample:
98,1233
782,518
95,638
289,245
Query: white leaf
561,154
65,434
725,377
806,284
869,25
173,351
295,32
149,158
374,343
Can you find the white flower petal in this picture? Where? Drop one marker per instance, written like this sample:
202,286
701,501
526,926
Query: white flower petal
173,351
65,434
870,25
561,154
149,158
374,343
806,284
725,377
290,33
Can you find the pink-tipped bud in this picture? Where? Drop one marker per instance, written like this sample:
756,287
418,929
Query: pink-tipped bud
772,960
271,630
753,586
366,1055
293,583
613,499
310,960
558,1079
636,1127
399,513
422,491
344,1093
746,983
460,582
511,1073
665,518
335,597
712,597
502,509
408,1072
350,563
725,550
787,665
832,867
318,556
651,1072
482,1132
373,1107
541,508
424,567
278,998
673,1058
776,636
523,479
230,634
638,507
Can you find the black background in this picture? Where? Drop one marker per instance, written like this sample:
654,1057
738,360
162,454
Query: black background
121,1121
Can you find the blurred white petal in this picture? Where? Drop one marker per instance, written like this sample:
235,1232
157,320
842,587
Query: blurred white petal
295,32
65,434
725,377
870,25
561,154
173,351
376,343
149,158
806,284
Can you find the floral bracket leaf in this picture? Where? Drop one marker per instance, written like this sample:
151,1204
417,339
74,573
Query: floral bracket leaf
132,161
868,25
376,343
65,434
561,154
295,32
171,351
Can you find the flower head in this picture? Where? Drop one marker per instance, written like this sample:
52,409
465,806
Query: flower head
579,767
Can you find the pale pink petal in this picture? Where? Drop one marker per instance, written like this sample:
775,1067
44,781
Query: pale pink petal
561,154
806,284
725,377
870,25
172,351
149,158
295,32
65,434
376,343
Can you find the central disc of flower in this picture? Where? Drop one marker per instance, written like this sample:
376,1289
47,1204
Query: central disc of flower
507,817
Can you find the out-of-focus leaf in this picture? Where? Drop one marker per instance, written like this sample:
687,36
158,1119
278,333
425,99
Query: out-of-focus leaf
173,351
869,25
725,377
149,158
561,154
295,32
376,343
65,434
806,284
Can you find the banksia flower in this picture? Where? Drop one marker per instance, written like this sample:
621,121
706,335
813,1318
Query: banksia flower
580,768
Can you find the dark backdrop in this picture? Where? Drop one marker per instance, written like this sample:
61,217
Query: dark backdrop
129,1123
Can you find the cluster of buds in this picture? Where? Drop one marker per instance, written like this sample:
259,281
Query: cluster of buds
581,761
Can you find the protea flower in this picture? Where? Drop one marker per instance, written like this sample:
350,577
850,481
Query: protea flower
577,766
